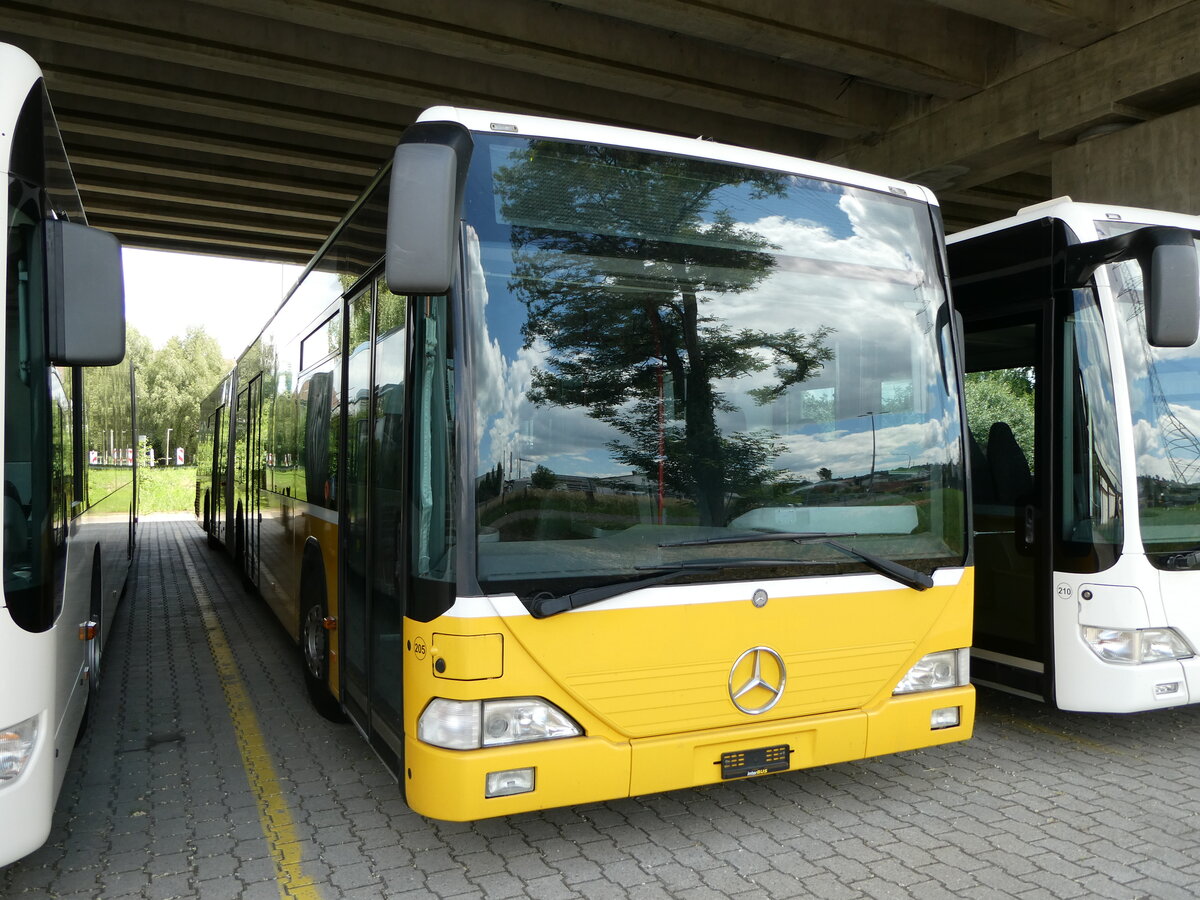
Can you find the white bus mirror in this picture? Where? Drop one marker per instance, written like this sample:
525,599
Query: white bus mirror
85,295
424,201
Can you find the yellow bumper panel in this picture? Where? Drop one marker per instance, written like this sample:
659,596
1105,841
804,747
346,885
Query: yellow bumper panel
450,784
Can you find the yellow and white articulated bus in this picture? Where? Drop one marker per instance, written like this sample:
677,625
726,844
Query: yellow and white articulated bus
69,510
585,463
1083,400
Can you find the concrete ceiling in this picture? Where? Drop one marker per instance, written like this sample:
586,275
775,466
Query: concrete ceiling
247,127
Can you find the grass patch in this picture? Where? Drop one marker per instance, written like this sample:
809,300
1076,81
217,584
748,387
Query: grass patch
166,489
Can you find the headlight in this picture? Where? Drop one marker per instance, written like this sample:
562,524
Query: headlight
1132,646
450,723
934,671
16,746
470,724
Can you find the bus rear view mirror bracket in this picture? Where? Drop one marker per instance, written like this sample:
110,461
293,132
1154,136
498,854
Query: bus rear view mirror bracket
428,176
1170,278
85,295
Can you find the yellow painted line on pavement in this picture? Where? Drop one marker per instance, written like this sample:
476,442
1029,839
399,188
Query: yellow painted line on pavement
273,812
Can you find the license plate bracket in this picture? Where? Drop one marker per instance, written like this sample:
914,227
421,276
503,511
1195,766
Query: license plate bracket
759,761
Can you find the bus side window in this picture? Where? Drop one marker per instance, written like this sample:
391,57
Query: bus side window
28,577
433,476
1091,475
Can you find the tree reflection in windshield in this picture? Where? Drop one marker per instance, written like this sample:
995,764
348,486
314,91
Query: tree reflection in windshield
621,308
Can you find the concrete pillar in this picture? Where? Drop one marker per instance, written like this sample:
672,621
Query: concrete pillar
1152,164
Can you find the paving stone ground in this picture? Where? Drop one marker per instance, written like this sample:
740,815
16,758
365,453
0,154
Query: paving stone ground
157,804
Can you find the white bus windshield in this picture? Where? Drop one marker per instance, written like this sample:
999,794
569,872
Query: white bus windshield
1164,399
667,349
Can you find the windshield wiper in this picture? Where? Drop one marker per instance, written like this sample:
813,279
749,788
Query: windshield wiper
543,606
918,581
800,537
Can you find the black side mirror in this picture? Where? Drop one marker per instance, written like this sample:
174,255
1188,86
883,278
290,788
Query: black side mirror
1170,278
424,202
85,295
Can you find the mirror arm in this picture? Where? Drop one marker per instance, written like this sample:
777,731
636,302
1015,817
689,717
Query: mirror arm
1081,260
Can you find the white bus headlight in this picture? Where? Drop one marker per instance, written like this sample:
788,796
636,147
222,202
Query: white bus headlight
16,747
935,671
1132,646
470,724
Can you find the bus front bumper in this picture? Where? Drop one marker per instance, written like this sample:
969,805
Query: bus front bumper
453,784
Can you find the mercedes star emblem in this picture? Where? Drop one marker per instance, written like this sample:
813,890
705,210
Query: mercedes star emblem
757,673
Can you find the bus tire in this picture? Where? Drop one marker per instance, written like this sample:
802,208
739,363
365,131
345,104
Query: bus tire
239,538
314,641
92,653
96,614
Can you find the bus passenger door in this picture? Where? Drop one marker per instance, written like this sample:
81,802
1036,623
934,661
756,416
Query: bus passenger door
218,469
1007,399
252,476
372,611
355,523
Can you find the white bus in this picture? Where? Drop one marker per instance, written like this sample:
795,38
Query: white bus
68,525
1083,402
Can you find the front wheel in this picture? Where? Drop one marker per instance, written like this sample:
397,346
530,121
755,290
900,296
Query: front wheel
314,658
94,645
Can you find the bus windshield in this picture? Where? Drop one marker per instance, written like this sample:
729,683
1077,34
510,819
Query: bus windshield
1164,400
666,349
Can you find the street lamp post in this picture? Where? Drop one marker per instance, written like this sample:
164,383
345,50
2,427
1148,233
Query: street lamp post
871,482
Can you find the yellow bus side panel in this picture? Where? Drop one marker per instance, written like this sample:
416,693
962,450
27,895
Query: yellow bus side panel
282,541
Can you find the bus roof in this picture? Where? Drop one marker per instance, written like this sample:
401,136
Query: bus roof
1081,217
565,129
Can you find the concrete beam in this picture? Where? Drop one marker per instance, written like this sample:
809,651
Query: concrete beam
80,83
1076,23
1152,165
77,126
554,41
212,242
1073,22
902,43
456,65
199,173
97,184
1022,121
171,220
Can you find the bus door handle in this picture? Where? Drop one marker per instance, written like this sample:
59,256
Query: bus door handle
1030,520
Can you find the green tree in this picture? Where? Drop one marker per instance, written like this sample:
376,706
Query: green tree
171,382
1004,395
543,479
